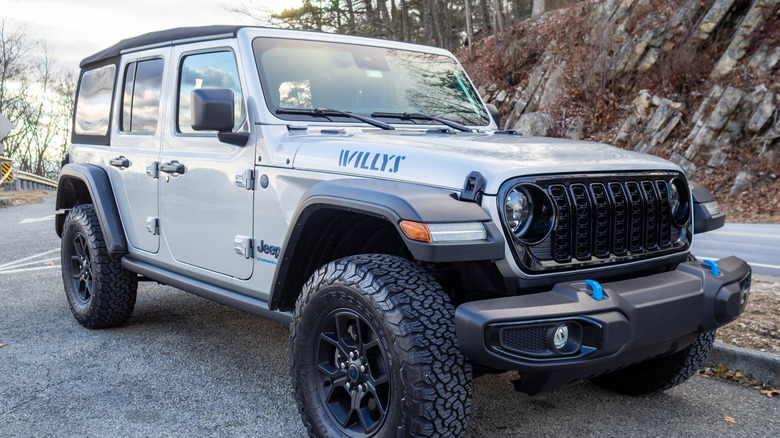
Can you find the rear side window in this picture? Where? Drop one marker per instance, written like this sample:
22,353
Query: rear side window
208,70
141,96
93,107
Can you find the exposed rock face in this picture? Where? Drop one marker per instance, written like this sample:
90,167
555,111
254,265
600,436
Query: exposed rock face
721,118
534,124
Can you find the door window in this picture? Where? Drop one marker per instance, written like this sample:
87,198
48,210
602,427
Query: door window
93,107
208,70
141,96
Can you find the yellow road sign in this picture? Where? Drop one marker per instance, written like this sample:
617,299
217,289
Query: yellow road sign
5,171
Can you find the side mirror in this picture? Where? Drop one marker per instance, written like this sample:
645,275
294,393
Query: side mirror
707,214
494,114
212,109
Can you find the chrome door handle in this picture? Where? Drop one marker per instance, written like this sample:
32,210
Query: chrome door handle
120,162
172,167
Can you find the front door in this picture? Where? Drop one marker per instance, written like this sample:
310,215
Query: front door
204,214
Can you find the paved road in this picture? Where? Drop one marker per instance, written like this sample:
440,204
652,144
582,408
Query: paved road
758,244
184,366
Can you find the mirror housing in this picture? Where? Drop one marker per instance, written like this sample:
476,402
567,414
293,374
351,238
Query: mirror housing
707,214
212,109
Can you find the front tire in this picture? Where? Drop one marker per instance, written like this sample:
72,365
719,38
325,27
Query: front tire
660,374
100,292
373,352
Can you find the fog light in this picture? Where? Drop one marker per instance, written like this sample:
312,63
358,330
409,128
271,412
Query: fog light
561,336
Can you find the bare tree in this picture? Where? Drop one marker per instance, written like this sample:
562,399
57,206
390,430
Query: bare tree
36,98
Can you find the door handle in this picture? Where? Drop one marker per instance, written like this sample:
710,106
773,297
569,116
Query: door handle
172,167
120,162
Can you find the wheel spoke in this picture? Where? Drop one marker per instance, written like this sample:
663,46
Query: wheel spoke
380,404
329,370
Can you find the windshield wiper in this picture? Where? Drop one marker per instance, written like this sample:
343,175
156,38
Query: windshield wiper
418,116
327,113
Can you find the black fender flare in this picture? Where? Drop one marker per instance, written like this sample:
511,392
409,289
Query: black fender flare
393,202
74,178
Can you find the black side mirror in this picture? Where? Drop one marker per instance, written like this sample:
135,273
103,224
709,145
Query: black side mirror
494,114
707,214
212,109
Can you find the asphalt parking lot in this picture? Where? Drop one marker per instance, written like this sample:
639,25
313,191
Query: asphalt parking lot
184,366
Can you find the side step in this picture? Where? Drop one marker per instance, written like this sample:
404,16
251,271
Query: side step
205,290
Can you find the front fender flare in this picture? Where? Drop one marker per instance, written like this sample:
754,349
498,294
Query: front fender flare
393,202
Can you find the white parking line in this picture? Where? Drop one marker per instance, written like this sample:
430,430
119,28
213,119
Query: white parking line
19,265
730,233
36,219
39,268
16,262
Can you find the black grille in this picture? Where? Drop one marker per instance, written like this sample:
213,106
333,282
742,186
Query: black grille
560,233
604,219
530,339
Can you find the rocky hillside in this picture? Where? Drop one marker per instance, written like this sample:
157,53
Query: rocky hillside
695,81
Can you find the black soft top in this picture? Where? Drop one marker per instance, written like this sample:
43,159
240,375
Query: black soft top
157,38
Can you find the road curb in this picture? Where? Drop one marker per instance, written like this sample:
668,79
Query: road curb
763,367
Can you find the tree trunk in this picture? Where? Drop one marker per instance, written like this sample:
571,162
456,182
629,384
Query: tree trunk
538,8
351,28
469,31
485,15
404,24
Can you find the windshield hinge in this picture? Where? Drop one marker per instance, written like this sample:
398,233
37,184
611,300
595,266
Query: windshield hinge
245,178
473,188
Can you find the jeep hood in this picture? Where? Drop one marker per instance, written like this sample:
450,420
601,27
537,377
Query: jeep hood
444,160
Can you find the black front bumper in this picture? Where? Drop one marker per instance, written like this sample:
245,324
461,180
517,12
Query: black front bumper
637,319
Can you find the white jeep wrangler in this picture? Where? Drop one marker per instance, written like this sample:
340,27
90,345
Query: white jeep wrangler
359,190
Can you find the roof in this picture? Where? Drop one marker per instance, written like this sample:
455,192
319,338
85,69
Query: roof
162,37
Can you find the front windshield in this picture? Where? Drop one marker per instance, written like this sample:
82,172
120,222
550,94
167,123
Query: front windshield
365,80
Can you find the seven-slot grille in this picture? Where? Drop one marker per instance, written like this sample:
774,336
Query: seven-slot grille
598,219
604,219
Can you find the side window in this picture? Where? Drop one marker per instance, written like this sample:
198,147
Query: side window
141,96
208,70
93,107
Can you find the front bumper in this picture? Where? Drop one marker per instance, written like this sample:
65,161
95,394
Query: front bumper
637,319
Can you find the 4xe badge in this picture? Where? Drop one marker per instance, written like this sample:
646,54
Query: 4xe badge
264,248
370,160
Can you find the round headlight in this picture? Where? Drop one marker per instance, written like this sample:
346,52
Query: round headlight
518,210
679,202
674,199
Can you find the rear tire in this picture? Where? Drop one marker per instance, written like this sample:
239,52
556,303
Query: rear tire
100,292
660,374
391,326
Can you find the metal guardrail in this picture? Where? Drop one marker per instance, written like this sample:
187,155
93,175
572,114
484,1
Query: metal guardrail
18,180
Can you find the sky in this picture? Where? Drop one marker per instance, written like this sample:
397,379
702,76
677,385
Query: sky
75,29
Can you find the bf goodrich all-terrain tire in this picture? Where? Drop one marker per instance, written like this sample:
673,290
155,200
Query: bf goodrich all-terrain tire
373,352
660,374
101,293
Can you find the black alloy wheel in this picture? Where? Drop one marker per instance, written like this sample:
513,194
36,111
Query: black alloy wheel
81,267
354,375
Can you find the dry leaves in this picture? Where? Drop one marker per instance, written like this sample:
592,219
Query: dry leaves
3,345
729,419
770,392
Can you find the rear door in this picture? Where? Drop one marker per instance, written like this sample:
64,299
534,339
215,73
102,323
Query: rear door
204,214
135,144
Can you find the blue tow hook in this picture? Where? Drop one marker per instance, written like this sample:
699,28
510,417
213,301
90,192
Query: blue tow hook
714,269
598,293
